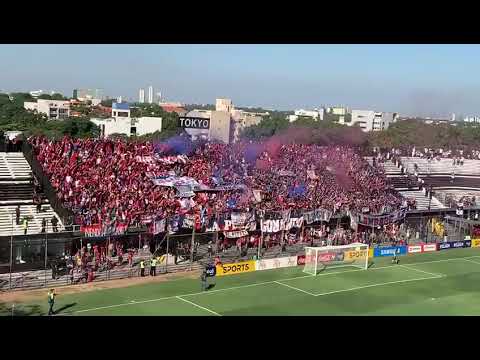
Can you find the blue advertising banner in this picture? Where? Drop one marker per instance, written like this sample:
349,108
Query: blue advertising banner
454,245
390,251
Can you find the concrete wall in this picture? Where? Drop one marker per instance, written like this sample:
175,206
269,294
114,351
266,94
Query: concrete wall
220,126
147,125
113,126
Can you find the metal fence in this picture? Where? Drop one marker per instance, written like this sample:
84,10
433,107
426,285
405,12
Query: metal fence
44,261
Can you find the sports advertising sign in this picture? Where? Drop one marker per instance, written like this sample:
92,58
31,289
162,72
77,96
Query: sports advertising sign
454,245
390,250
429,247
187,122
235,268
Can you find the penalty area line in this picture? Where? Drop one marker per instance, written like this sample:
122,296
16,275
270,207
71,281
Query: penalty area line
375,285
294,288
198,306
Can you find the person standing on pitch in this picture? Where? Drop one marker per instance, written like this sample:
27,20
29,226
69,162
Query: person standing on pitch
153,267
203,278
51,301
142,268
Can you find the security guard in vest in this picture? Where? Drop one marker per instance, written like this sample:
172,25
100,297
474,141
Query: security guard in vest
153,267
25,226
51,301
142,268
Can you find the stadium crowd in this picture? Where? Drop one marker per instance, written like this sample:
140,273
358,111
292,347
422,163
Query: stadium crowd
111,181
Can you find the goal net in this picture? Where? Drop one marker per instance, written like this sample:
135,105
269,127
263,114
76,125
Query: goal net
318,259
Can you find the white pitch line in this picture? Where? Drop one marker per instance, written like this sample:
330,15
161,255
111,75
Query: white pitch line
374,285
199,306
472,261
294,288
422,271
255,284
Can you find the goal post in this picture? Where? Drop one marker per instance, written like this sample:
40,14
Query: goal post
318,259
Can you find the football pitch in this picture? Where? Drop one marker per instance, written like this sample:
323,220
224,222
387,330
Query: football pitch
437,283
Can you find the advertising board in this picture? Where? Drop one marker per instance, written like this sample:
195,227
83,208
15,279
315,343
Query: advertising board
429,247
268,264
236,268
390,250
414,249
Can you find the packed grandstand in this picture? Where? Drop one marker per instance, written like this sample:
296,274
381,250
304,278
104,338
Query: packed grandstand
242,200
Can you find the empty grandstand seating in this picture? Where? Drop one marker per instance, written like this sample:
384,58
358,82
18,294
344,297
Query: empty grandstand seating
389,167
16,188
444,166
13,166
422,200
446,182
7,219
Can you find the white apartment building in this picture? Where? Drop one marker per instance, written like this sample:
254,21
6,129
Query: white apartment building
128,126
150,94
369,120
120,110
141,96
54,109
316,114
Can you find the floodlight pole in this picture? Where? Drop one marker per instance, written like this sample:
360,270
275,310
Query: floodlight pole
11,254
191,246
260,243
166,257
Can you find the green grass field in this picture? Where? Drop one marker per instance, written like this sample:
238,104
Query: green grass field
439,283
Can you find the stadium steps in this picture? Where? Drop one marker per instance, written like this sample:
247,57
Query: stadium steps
389,167
444,166
458,182
15,191
14,166
422,200
7,215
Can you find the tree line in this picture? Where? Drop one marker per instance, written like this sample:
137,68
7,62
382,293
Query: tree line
14,117
402,133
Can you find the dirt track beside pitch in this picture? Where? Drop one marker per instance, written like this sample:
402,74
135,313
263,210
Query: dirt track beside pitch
23,296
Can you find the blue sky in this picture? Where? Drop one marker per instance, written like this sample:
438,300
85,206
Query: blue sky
410,79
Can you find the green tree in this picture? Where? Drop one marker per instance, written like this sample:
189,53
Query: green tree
107,102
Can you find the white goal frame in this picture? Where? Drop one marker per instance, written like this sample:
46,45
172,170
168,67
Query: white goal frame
353,249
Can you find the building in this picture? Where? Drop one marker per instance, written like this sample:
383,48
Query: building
141,96
369,120
120,110
472,119
128,126
224,105
220,127
145,125
316,114
88,94
226,123
241,120
150,94
54,109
